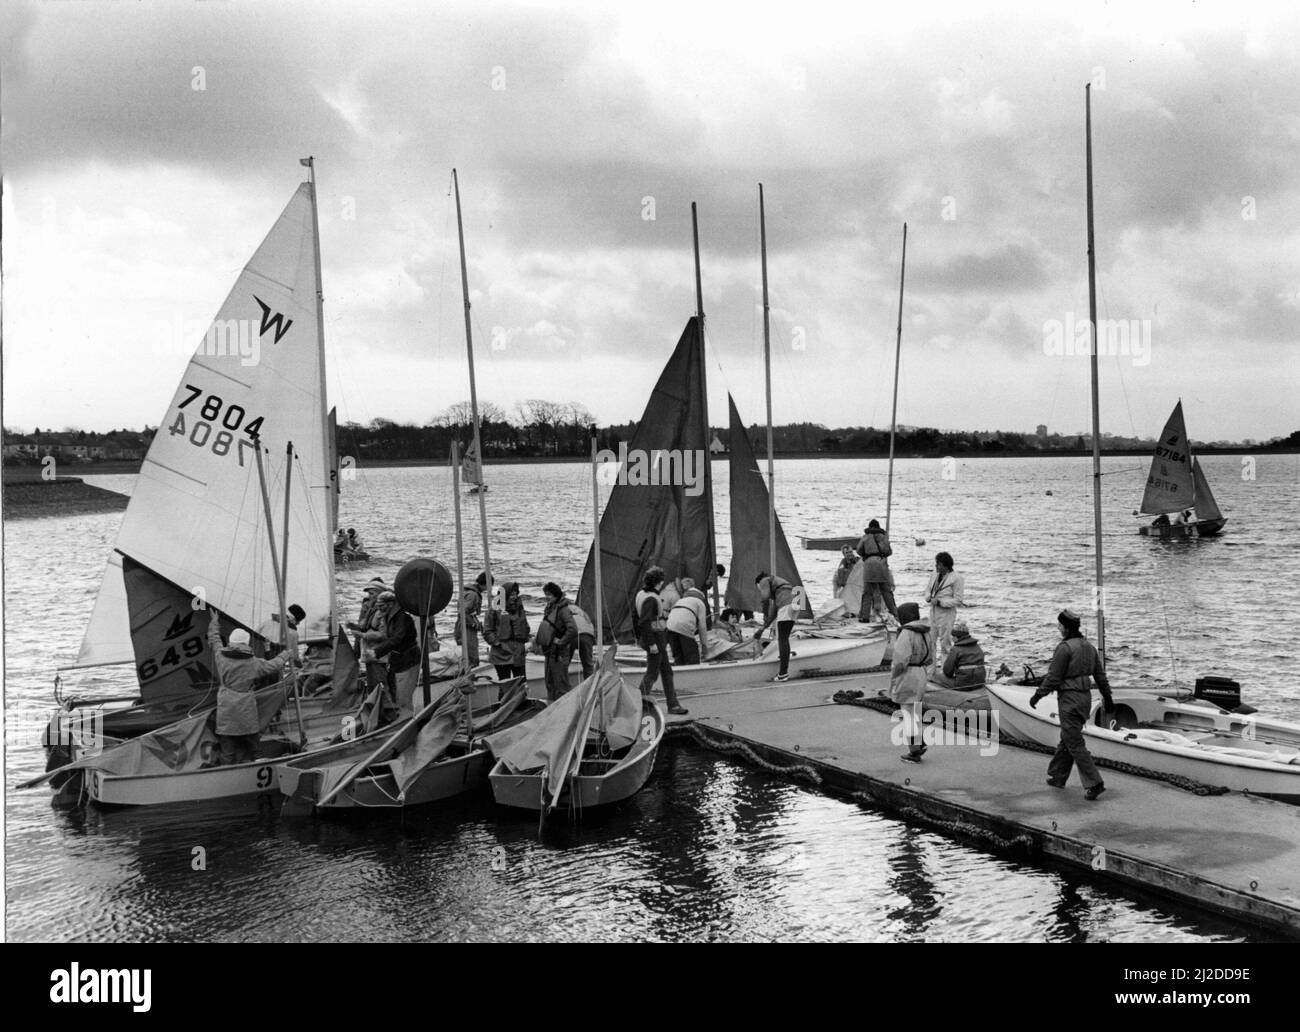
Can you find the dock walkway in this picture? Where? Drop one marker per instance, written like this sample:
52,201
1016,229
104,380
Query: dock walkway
1235,855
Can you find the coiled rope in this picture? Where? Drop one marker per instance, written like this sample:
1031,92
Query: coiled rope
796,770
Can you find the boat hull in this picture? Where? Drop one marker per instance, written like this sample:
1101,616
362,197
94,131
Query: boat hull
1172,737
619,780
829,544
1183,531
445,779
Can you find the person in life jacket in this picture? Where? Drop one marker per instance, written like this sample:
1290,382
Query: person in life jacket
471,605
371,618
776,597
240,673
963,667
508,633
945,593
913,656
877,581
557,636
687,626
652,635
396,642
1074,663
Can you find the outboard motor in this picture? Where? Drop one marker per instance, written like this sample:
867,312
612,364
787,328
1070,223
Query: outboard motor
1222,692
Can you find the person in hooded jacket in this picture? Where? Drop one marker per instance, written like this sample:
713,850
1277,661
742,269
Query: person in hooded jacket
240,673
877,583
471,604
913,656
687,625
557,636
963,667
508,633
397,642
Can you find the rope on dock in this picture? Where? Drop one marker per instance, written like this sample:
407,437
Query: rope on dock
796,770
1020,845
875,702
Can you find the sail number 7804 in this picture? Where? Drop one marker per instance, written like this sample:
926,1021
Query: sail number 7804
214,413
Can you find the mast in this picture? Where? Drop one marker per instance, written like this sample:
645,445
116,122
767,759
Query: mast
331,513
284,557
595,522
711,573
279,584
1096,415
460,578
767,371
473,395
898,357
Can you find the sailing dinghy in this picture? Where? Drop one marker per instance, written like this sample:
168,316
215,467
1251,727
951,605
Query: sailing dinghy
192,546
1176,484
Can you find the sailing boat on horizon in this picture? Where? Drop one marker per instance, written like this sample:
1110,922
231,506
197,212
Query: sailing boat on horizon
471,469
1177,484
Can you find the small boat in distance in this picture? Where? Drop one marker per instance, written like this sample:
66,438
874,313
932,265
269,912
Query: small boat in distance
1176,486
829,544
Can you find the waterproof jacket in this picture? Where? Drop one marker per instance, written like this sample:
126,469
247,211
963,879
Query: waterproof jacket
690,616
558,632
964,664
241,674
874,548
399,645
776,595
471,604
913,654
583,621
650,626
1073,663
507,632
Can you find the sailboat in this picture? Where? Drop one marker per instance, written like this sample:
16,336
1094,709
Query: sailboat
471,469
667,521
1176,484
1208,737
192,546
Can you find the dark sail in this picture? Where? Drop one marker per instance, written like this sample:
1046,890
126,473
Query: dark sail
749,541
169,636
651,521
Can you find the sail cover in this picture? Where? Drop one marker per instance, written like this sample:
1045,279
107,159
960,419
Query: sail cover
749,538
196,514
1206,507
660,512
1169,484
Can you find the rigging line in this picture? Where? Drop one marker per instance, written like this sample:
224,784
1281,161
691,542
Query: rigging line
1119,369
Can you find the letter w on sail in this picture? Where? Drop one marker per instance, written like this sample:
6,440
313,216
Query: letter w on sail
277,322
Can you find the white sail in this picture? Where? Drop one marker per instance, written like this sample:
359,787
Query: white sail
1169,484
196,515
1207,509
471,470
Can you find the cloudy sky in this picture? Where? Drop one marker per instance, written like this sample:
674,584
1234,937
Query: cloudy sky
148,147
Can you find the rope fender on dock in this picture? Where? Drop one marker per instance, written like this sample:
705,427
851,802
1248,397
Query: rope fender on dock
1200,788
1017,845
795,770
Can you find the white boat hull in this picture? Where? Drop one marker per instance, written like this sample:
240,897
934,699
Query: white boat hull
1184,738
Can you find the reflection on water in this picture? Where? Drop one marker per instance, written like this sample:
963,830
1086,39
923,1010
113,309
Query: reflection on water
709,850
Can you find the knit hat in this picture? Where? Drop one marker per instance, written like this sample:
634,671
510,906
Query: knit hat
908,612
239,639
959,629
1068,619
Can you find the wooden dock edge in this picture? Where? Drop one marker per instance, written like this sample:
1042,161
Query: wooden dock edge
1025,842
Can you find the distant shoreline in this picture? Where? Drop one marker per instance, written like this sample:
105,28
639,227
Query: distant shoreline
30,497
120,468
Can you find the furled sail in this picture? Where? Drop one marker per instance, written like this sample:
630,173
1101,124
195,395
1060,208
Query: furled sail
1169,484
660,512
196,513
336,476
749,538
1207,509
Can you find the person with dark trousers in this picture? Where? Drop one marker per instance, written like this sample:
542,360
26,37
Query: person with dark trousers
652,634
776,596
1074,662
508,633
877,587
557,637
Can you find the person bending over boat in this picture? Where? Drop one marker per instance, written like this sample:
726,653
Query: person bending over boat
776,596
471,605
877,584
909,672
652,636
586,640
557,637
1073,663
241,674
396,642
963,667
945,593
508,633
687,624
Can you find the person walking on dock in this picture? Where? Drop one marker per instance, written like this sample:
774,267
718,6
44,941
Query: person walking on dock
508,633
913,654
945,592
776,596
557,637
1074,662
877,585
471,605
652,635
